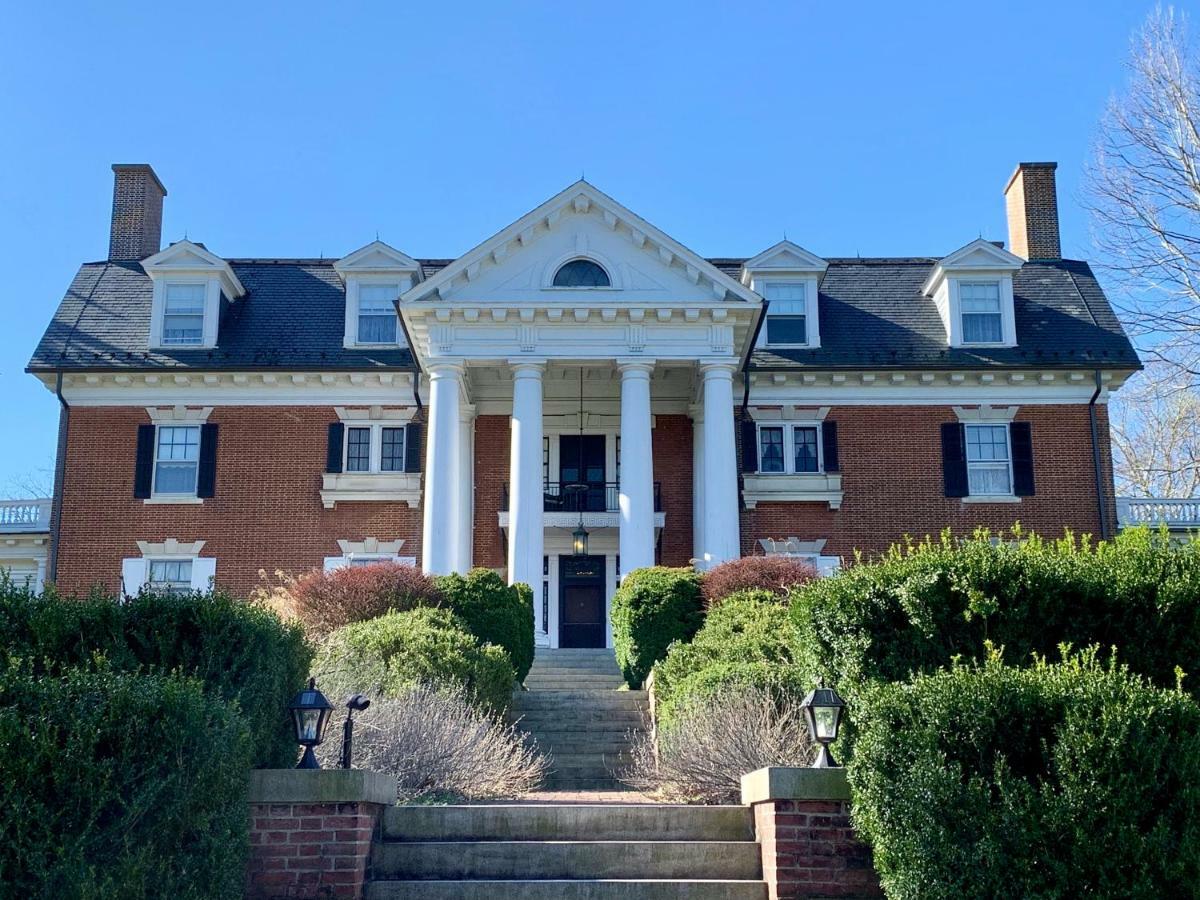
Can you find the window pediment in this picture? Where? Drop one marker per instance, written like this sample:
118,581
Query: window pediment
375,276
972,289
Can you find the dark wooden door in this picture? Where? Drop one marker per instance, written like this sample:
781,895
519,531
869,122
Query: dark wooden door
581,461
581,620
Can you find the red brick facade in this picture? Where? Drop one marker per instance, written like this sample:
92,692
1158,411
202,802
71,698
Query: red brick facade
672,440
809,850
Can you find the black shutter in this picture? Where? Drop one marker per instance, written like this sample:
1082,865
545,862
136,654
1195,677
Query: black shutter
414,449
143,470
333,456
954,459
829,447
749,446
1021,437
206,478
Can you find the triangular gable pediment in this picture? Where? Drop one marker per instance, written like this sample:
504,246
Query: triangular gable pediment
376,257
783,257
978,256
580,222
186,256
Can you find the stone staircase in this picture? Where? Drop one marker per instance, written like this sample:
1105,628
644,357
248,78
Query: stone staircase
574,708
566,852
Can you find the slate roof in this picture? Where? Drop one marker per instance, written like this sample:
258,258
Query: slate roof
872,315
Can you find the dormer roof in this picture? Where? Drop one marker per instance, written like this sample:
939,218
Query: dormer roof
785,257
978,256
377,258
188,258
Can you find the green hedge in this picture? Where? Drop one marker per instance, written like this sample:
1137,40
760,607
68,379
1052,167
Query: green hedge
924,605
1069,780
787,683
749,628
494,612
120,786
652,608
381,656
240,651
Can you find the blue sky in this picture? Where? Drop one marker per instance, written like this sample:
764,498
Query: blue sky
877,128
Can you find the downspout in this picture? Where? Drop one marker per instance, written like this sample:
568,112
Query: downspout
416,362
1097,462
60,475
746,365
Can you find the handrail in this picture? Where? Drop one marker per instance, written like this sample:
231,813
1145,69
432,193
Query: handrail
25,515
559,496
1169,511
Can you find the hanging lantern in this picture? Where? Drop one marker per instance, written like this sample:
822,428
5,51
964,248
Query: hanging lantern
579,539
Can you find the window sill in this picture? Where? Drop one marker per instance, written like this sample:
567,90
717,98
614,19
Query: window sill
992,498
168,500
784,488
790,347
371,487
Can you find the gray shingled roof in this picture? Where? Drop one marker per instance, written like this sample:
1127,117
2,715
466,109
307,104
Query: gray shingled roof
871,310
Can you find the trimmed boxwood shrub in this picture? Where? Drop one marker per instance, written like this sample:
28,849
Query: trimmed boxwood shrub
383,656
787,683
1067,780
653,607
749,627
494,612
120,786
923,605
240,651
777,575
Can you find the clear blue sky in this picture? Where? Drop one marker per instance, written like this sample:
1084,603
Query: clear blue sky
301,129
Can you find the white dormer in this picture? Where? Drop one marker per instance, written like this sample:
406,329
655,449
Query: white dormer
973,291
788,277
189,283
375,276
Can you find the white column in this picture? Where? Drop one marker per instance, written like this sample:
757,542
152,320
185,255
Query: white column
722,534
636,499
464,526
525,499
439,547
698,548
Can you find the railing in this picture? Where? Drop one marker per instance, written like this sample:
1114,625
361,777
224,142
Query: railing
25,515
1155,511
559,496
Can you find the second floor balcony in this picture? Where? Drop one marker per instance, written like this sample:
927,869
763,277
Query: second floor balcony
25,516
558,496
1176,514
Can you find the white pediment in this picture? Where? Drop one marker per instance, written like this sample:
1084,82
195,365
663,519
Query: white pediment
186,257
978,256
784,257
377,258
518,264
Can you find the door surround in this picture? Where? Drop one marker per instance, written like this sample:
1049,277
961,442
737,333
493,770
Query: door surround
581,582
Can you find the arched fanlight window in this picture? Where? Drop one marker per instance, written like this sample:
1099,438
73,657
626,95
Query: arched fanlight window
581,273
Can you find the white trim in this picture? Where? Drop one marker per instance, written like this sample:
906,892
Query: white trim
179,414
388,414
370,547
374,446
991,498
611,269
370,487
354,282
377,258
135,571
176,496
784,488
1007,496
783,257
789,445
994,414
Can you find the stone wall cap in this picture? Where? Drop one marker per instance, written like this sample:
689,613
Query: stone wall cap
794,783
321,786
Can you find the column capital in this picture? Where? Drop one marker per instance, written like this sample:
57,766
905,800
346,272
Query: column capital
719,368
527,368
633,367
443,368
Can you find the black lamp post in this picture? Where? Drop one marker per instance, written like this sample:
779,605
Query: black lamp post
823,714
357,703
310,715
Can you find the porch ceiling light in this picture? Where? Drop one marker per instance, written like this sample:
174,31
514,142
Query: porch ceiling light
823,714
310,715
579,539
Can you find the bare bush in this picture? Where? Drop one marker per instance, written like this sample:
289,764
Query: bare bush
716,740
437,744
776,574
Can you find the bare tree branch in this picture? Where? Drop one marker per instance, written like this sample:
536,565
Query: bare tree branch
1156,434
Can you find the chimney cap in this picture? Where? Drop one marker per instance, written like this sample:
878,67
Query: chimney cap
1023,166
144,168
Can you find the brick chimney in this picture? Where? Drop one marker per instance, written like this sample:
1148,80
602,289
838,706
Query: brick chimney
136,212
1032,204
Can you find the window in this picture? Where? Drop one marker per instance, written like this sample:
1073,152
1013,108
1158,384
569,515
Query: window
358,449
377,313
981,319
787,315
176,459
581,273
170,575
183,315
989,462
391,458
791,449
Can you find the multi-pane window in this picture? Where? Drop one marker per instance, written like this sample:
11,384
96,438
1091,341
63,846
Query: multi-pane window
792,449
377,313
989,462
183,315
170,574
981,319
804,442
358,449
176,459
391,454
787,314
770,449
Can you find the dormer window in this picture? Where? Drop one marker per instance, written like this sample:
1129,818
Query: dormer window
581,273
972,290
183,314
788,277
982,318
787,314
377,313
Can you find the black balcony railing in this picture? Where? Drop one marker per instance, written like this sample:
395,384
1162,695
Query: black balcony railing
559,496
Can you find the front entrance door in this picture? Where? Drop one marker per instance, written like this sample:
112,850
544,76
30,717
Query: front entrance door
581,601
581,461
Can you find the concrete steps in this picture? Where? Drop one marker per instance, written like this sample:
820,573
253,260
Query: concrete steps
573,852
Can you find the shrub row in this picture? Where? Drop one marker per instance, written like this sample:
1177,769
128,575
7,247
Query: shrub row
651,609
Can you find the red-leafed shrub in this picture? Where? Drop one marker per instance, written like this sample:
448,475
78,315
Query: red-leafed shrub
325,601
777,574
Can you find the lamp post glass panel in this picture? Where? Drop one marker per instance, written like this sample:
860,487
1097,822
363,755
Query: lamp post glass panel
823,714
310,715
